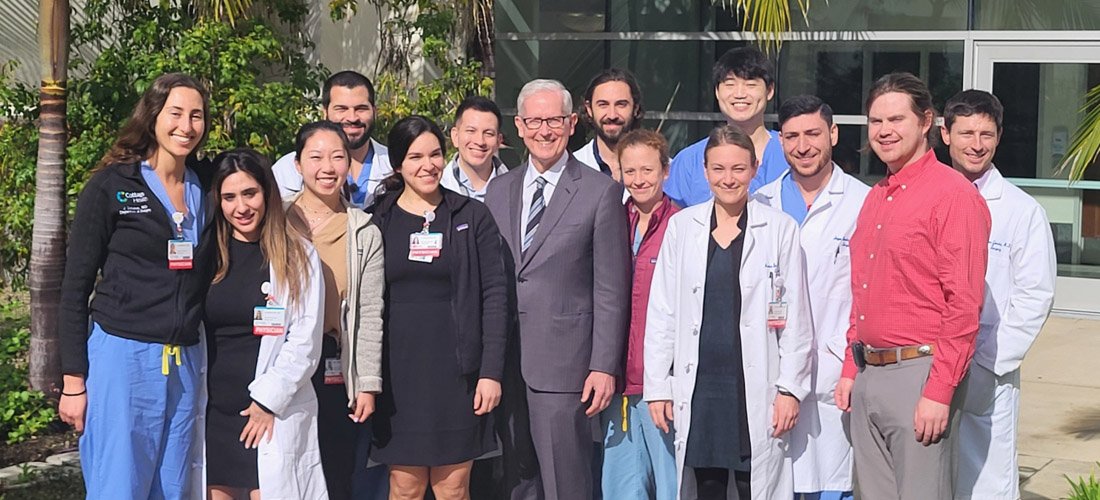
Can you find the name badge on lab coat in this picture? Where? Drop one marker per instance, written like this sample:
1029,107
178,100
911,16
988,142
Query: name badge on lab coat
269,320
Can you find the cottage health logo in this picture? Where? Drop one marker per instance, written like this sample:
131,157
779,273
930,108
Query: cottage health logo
134,196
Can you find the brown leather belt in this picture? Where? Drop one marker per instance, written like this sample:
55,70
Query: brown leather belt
890,355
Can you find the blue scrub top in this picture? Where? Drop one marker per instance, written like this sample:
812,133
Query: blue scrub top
687,185
793,202
359,192
192,195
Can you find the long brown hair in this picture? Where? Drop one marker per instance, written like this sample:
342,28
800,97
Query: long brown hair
138,139
280,243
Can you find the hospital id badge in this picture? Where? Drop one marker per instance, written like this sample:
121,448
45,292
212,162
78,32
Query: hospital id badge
269,321
424,247
334,375
777,314
181,254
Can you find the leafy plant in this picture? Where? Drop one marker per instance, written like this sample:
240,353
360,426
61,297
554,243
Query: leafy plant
58,483
24,413
1084,490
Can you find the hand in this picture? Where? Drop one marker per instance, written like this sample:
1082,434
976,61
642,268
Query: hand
364,407
661,413
930,421
486,396
843,394
784,414
599,387
72,408
260,424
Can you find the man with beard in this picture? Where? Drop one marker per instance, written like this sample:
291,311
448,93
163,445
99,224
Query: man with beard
744,83
825,202
348,100
612,107
1019,293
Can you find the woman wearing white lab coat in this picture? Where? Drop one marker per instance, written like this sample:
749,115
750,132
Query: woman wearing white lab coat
278,414
776,360
820,448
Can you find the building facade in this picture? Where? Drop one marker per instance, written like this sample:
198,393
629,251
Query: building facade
1039,57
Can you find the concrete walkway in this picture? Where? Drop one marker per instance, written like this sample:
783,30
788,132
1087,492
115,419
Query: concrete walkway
1060,407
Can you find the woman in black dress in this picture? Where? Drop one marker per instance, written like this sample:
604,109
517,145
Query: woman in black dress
445,320
263,341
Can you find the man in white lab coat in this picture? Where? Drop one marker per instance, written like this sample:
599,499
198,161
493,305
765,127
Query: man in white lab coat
1018,296
825,202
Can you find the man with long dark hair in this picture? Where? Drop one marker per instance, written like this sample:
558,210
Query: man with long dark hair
612,107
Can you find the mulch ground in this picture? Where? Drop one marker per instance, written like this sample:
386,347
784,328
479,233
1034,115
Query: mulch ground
38,448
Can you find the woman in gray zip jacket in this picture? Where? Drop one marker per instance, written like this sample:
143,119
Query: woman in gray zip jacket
350,246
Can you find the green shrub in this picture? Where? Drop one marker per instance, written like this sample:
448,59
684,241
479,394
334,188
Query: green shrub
23,412
1084,489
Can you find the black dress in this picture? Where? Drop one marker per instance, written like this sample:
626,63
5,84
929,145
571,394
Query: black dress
425,413
719,435
232,350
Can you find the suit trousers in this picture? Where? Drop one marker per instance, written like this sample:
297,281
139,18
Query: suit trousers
889,462
986,448
562,435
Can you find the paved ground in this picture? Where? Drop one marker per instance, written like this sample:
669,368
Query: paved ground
1060,408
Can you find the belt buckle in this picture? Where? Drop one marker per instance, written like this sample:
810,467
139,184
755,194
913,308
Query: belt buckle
924,350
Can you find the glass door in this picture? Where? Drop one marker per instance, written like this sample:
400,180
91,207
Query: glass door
1042,86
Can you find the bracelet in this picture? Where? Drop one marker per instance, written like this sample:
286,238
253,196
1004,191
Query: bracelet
81,393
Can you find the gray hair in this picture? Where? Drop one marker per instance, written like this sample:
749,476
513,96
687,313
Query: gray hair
542,85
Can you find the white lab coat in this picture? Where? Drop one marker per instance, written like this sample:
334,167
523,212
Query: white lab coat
1019,293
820,448
772,359
587,155
289,466
290,181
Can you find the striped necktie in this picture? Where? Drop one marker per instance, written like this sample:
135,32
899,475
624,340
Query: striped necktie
533,218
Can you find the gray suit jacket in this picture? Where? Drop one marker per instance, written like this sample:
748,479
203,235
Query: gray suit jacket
573,285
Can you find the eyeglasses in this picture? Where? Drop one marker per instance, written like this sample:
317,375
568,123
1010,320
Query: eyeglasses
552,122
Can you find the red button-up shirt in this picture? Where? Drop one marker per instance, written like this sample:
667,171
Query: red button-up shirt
918,269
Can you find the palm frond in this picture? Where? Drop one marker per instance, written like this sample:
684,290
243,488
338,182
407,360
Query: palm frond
230,11
1085,147
767,19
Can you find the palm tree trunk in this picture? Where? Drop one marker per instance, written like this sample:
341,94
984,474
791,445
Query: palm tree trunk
48,236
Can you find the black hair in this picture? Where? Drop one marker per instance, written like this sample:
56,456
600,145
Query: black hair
401,137
347,79
804,105
744,62
479,103
973,102
308,130
615,75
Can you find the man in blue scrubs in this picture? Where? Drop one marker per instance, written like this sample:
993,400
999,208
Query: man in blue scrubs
743,84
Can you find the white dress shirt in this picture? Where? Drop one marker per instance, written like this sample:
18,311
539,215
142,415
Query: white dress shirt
552,176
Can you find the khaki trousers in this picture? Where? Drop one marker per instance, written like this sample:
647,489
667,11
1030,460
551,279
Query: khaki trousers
889,462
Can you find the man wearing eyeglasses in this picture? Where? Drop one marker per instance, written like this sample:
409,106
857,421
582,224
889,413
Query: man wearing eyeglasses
566,229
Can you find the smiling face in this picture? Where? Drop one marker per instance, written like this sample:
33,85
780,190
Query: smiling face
808,143
896,133
423,165
242,204
546,144
743,100
476,134
643,174
350,108
972,141
180,123
729,170
612,110
324,164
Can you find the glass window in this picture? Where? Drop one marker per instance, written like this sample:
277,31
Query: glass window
1037,15
558,16
869,15
656,15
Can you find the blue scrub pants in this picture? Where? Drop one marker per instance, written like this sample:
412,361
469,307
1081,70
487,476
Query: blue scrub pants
824,495
139,427
638,463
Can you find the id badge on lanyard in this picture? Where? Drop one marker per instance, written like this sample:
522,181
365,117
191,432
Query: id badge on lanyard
777,308
271,318
425,246
181,252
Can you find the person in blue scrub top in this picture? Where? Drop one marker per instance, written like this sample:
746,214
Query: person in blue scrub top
131,358
744,82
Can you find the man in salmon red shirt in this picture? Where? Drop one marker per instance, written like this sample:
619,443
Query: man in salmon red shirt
918,276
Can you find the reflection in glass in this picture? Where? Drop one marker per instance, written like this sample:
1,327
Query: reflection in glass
1037,14
871,15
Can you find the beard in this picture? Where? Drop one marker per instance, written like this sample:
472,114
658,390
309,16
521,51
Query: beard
355,144
609,139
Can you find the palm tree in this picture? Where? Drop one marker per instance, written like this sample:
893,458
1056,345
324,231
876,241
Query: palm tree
767,19
1085,148
48,236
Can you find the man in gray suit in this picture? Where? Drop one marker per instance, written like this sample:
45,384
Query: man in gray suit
566,229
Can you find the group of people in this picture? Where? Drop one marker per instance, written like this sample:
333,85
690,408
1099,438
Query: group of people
744,320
